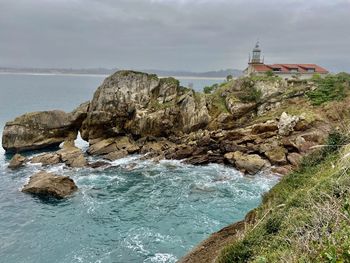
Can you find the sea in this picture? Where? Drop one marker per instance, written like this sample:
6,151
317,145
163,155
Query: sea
132,211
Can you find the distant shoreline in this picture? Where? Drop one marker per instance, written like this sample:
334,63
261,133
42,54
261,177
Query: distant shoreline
96,75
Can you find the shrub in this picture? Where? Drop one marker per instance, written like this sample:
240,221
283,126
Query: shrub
330,88
269,73
210,89
250,94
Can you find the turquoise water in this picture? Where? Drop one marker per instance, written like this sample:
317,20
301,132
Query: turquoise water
133,211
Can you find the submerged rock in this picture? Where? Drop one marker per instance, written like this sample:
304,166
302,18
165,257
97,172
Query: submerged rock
17,161
51,185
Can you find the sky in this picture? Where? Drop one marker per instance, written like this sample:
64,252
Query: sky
194,35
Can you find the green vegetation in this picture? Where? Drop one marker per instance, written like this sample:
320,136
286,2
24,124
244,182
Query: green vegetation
249,92
229,78
170,81
269,73
330,88
210,89
306,216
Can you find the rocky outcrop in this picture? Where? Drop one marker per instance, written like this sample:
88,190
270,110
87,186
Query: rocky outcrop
17,161
38,130
140,105
50,185
113,148
237,108
132,112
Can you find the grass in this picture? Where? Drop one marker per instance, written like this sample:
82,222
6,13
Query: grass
305,217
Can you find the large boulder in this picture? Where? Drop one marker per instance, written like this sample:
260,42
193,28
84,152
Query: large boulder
38,130
116,101
140,105
50,185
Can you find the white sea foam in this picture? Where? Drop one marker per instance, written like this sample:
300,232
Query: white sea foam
161,258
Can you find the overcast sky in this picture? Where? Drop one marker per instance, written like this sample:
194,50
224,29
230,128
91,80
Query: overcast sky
196,35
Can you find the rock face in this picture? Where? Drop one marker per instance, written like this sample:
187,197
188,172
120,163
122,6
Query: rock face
38,130
51,185
141,104
17,161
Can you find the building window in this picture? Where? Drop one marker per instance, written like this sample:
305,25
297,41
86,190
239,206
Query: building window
312,70
293,70
276,69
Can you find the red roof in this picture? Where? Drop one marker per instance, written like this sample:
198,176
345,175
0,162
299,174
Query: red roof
285,68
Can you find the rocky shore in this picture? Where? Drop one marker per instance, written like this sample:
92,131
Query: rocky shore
133,112
253,124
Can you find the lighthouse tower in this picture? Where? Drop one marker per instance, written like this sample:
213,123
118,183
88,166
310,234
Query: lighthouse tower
256,58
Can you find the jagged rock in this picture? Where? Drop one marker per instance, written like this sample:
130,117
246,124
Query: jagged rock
269,126
112,156
237,108
304,143
181,152
79,114
205,159
194,114
270,88
231,146
141,104
115,101
72,156
249,163
294,158
223,121
286,124
156,147
51,185
17,161
98,164
106,146
46,158
276,155
37,130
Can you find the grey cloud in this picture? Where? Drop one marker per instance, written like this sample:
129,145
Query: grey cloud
172,34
